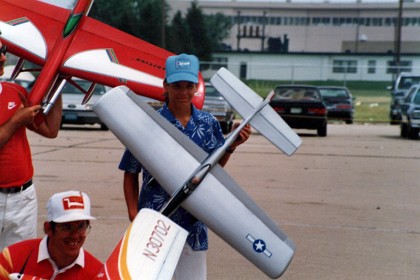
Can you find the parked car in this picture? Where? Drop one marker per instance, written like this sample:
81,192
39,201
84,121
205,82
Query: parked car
339,102
156,104
398,90
410,113
301,106
25,79
73,110
216,104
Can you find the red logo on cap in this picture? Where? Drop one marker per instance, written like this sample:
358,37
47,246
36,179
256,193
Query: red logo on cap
73,202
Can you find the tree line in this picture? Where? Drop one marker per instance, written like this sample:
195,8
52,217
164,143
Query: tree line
193,33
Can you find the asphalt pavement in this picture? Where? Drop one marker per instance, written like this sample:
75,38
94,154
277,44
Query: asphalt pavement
350,201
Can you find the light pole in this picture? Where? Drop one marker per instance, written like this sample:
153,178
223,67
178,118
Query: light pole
397,42
238,36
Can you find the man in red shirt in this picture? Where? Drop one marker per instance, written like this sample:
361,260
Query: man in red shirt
59,255
18,203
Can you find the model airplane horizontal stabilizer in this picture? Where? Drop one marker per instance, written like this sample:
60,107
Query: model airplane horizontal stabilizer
149,249
218,201
244,100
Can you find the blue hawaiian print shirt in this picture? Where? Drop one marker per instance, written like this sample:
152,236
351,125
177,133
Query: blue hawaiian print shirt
205,131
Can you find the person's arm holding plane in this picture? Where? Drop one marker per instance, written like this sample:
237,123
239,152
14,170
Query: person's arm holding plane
243,136
49,125
131,193
22,117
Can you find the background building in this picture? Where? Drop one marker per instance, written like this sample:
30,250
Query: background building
316,26
357,40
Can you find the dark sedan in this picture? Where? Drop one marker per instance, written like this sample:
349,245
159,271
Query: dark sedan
301,106
339,103
216,104
410,113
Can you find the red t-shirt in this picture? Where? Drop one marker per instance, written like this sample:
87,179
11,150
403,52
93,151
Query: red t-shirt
15,156
25,254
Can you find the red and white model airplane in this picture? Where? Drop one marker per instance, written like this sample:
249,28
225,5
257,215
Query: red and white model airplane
67,43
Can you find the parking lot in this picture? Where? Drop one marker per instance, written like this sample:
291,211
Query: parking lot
350,201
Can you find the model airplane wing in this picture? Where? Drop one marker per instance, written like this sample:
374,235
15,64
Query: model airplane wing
218,201
69,43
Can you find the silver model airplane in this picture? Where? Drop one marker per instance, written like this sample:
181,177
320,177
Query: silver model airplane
216,199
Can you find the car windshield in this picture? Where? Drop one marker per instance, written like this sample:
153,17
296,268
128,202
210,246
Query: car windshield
416,99
296,94
211,91
69,88
407,82
336,92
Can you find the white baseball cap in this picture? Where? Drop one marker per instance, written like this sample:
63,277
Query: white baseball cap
69,206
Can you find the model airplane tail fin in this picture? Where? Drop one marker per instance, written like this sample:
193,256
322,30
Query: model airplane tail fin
244,100
149,249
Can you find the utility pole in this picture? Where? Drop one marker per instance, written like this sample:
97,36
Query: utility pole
263,30
397,59
356,49
238,36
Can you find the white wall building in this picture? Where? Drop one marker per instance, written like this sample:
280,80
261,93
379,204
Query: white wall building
311,66
317,26
327,40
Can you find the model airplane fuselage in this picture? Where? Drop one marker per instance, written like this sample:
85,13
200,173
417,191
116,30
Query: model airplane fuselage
199,184
69,43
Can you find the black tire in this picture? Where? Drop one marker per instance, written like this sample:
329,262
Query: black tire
104,127
322,131
395,120
413,133
404,130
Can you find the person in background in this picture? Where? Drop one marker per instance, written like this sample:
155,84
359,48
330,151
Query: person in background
180,86
18,201
59,255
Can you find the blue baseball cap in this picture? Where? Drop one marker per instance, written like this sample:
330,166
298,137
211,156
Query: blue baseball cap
183,67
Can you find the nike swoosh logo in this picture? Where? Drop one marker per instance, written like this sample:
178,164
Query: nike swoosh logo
11,105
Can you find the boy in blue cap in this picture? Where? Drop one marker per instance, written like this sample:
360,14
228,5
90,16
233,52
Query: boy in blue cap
180,86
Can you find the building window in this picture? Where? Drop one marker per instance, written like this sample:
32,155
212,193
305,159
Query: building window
405,66
377,21
389,21
344,66
371,67
316,21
